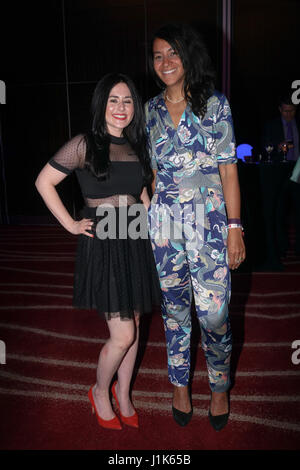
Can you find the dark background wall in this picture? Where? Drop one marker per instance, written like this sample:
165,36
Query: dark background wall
265,61
55,52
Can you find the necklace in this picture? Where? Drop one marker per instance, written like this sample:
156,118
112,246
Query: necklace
174,101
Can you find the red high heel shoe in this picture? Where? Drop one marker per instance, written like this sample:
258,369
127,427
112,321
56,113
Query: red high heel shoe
133,420
113,423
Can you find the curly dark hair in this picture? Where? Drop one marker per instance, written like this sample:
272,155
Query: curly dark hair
199,83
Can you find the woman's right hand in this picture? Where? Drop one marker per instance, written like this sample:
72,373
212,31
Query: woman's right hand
81,226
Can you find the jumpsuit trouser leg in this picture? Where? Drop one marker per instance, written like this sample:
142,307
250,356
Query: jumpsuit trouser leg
179,277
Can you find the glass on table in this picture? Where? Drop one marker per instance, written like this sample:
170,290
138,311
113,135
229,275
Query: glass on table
284,148
269,149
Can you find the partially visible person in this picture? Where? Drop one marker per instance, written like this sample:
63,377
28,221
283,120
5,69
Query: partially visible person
115,272
283,129
281,196
192,146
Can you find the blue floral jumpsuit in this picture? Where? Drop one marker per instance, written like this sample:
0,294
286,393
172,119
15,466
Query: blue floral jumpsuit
190,250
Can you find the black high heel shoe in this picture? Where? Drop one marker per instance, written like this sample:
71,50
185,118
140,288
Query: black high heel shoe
219,422
182,418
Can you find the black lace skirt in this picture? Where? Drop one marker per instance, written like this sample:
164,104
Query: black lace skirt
116,276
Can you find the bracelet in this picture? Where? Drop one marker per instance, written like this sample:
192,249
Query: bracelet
235,226
234,221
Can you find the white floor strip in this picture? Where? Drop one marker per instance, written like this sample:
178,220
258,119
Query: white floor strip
287,426
266,305
48,383
264,316
265,273
153,406
159,344
140,393
269,373
47,361
233,398
142,370
51,334
265,294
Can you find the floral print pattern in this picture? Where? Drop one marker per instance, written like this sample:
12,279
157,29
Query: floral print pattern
192,260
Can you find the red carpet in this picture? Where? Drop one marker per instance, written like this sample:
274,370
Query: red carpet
52,352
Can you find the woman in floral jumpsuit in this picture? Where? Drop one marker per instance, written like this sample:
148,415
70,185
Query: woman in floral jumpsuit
196,194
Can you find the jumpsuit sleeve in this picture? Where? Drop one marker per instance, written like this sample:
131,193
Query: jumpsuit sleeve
226,152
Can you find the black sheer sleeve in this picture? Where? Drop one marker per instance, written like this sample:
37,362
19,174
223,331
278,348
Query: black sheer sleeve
70,156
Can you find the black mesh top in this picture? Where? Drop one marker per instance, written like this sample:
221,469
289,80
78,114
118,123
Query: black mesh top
125,172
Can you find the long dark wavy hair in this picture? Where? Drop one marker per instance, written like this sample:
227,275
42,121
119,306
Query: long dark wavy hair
199,82
98,140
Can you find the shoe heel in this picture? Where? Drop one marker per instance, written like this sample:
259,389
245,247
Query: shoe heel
180,417
113,423
131,421
219,422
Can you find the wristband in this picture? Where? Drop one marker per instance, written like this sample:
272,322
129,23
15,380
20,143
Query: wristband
234,221
235,226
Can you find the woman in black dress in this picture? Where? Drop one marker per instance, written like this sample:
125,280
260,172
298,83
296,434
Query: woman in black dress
115,271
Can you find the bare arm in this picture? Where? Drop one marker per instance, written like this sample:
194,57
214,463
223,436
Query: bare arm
145,195
45,183
145,198
231,190
153,182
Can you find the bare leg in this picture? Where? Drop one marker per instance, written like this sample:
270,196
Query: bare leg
181,399
111,355
125,374
219,403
